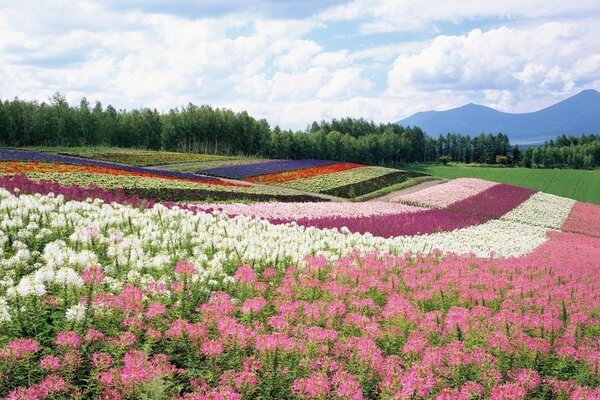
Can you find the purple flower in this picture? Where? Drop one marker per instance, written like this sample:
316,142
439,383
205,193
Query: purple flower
248,170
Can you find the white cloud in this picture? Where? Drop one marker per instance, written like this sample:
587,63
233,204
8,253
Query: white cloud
407,15
525,61
344,82
293,71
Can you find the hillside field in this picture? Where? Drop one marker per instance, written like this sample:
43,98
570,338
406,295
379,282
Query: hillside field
580,185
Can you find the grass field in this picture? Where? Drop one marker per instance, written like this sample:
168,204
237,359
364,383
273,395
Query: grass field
580,185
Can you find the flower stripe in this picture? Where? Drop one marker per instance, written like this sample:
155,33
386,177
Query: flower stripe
281,177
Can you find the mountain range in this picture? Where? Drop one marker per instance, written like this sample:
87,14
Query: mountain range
577,115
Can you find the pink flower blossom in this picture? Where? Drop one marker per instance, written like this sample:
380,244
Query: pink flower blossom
20,348
67,339
211,348
185,268
93,275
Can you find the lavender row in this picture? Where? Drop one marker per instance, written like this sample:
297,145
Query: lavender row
270,167
493,202
32,156
402,224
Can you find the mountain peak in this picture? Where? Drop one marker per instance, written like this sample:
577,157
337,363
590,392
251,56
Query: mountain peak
575,115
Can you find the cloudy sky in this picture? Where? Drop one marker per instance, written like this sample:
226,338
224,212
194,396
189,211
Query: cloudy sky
294,61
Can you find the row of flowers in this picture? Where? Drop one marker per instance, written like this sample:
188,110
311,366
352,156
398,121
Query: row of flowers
356,327
36,156
445,194
395,219
328,182
287,176
36,168
269,167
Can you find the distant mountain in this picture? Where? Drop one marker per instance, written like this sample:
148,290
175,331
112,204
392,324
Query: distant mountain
576,115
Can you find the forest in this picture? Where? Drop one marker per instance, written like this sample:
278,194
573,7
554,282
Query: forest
204,129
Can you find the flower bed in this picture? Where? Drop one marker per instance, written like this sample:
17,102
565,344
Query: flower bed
281,177
151,189
321,184
445,194
36,156
494,201
264,168
293,211
361,188
584,219
36,168
111,301
393,225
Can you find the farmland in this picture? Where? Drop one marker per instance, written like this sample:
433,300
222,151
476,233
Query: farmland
467,289
581,185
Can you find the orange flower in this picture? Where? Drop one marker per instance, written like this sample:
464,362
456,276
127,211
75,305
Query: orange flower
281,177
20,167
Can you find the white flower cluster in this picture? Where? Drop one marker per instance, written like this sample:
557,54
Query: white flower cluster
542,209
143,246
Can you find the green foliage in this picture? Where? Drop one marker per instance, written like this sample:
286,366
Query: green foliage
444,159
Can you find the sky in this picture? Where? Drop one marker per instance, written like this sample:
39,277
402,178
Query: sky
296,61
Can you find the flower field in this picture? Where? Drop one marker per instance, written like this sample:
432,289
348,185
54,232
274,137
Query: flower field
161,185
270,167
340,179
463,290
304,173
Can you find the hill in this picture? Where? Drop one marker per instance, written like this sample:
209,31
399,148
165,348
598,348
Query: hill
579,114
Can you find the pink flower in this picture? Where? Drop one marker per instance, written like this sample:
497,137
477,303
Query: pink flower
253,305
507,391
50,363
155,309
102,360
314,387
93,275
245,274
67,339
211,348
185,268
94,335
20,348
269,273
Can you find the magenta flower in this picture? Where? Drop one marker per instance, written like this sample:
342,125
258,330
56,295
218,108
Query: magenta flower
93,275
19,348
50,363
245,274
185,268
254,305
102,360
211,348
67,339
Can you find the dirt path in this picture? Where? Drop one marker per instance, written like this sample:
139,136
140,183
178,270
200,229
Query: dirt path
408,190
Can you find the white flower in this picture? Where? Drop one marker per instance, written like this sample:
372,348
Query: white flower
76,312
4,314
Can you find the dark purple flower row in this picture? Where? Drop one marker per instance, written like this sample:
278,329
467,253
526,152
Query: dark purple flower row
493,202
72,192
478,209
416,223
30,156
270,167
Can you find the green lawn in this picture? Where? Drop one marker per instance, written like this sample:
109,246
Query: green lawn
580,185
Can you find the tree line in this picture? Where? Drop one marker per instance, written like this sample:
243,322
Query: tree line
204,129
565,151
